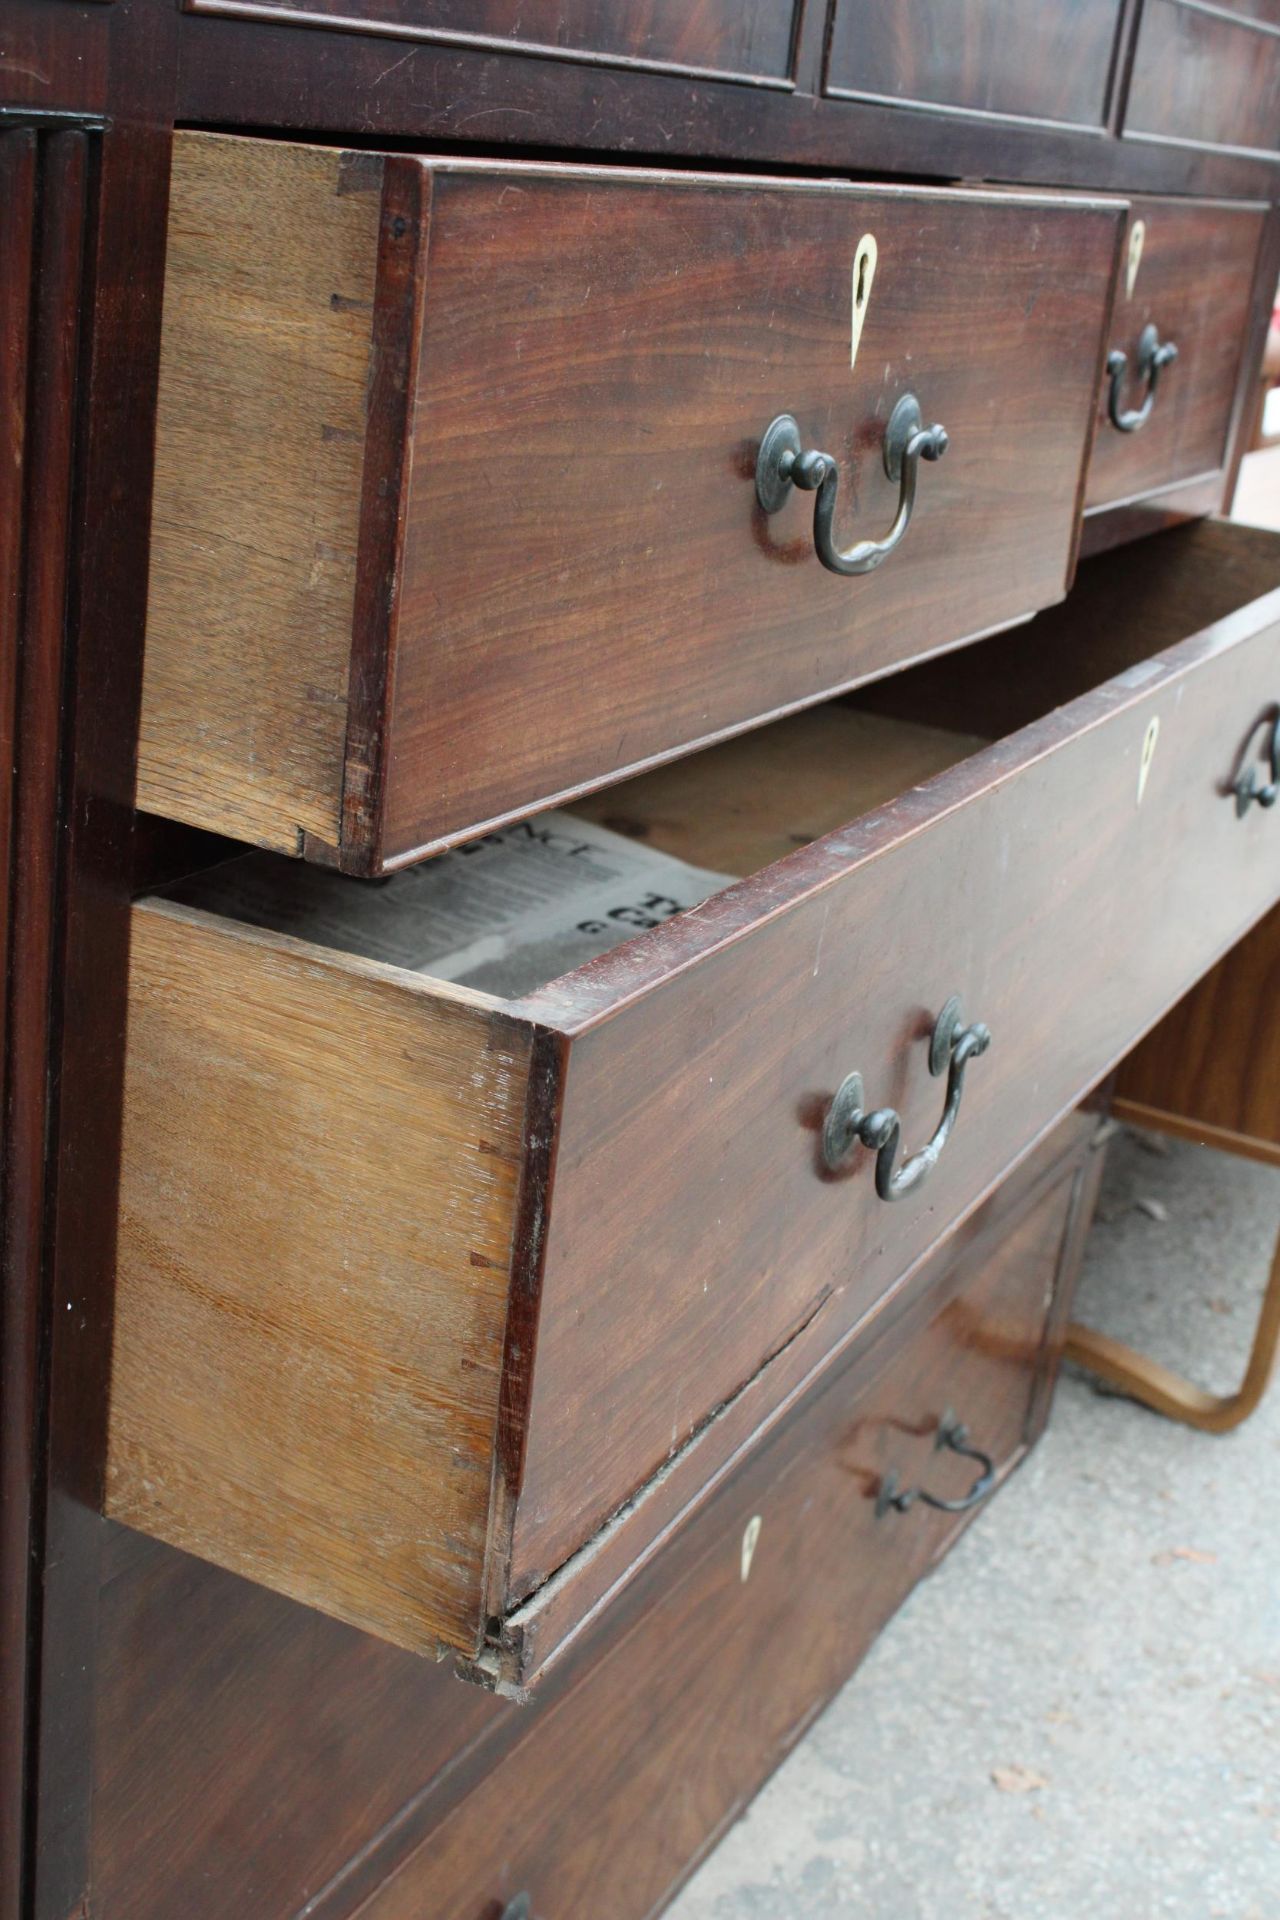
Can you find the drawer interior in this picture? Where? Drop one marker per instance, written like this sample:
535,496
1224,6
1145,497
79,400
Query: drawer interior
736,808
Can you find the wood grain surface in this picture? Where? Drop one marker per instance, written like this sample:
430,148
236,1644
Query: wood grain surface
738,39
1029,880
584,583
985,56
252,1751
1202,77
317,1209
1194,281
260,437
687,1714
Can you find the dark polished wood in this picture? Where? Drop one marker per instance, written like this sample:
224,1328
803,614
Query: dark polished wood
634,601
20,1315
39,486
253,73
104,615
1194,281
173,1727
53,56
714,1109
997,57
1201,77
253,1753
687,1714
724,39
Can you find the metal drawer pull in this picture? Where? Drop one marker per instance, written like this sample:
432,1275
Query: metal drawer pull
953,1435
1250,786
783,463
951,1048
1152,357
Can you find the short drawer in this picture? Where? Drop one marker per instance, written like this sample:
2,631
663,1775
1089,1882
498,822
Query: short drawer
456,509
625,1779
419,1288
1186,281
1207,75
998,58
746,40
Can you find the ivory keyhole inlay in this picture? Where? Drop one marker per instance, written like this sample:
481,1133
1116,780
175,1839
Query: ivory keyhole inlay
864,272
750,1540
1137,235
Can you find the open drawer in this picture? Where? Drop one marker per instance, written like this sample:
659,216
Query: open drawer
419,1288
456,508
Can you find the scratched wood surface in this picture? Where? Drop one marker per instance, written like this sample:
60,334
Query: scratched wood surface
260,437
576,580
1194,281
696,1062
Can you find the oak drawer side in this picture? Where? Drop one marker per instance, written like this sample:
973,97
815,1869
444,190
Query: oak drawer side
319,1184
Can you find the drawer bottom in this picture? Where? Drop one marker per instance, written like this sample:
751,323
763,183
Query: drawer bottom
631,1768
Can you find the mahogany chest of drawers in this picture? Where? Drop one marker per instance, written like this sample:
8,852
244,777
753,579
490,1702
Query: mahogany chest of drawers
454,1440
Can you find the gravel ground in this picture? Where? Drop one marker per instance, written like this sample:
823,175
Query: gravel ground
1078,1716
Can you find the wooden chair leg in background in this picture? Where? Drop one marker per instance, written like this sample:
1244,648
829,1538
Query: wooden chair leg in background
1164,1391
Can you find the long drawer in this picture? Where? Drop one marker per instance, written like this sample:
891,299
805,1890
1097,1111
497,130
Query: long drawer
456,504
1185,286
630,1774
433,1308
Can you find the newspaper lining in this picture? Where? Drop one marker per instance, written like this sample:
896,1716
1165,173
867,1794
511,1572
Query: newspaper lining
504,914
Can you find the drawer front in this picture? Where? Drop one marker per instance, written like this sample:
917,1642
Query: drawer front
1207,76
547,1266
1065,893
535,559
625,1780
999,58
1188,272
726,39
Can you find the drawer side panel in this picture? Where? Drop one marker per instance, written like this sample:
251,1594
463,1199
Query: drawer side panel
319,1183
260,442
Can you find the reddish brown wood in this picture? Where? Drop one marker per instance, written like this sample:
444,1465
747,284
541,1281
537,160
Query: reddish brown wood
994,57
19,1294
1194,282
53,56
596,1586
634,514
687,1714
724,39
105,614
248,1747
731,1028
1201,77
249,74
40,502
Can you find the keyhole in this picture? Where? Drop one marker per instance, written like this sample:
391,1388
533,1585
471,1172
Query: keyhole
864,272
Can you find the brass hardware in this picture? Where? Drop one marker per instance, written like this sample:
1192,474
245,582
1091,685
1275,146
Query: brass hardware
952,1437
1152,358
1250,786
783,463
951,1048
